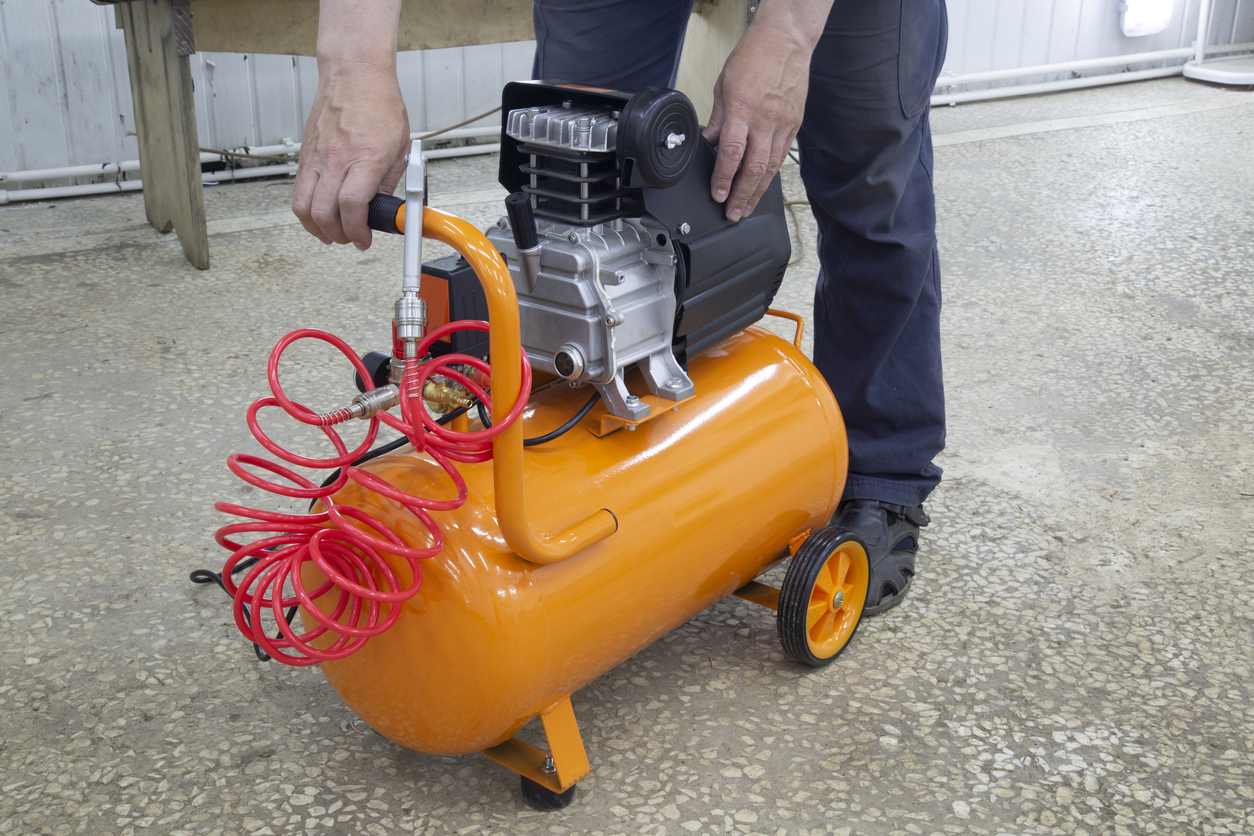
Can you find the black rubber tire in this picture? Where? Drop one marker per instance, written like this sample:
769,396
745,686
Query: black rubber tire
540,797
798,586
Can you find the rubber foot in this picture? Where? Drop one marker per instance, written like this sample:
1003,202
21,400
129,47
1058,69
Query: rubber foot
540,797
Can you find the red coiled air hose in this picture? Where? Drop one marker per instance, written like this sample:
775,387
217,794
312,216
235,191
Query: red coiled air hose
348,546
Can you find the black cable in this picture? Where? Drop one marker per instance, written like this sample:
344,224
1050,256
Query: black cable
549,436
564,428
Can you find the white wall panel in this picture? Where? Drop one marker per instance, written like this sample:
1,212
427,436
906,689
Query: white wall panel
67,100
35,94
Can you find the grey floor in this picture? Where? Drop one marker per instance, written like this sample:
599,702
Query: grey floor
1076,656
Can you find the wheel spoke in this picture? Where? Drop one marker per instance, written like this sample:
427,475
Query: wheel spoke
825,583
817,610
823,628
842,568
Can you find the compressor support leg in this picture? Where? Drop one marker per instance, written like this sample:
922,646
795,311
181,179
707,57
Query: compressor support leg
566,763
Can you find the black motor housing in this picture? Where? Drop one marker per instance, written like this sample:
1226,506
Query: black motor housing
728,272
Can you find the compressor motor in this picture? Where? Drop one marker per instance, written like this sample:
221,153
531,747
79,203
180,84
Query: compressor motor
618,254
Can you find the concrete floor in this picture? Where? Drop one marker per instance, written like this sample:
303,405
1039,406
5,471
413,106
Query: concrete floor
1076,656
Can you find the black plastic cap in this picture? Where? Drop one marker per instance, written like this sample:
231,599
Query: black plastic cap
649,120
521,220
381,215
379,364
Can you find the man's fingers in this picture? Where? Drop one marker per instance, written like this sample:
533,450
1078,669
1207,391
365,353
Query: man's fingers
302,201
394,175
714,127
360,186
732,145
325,210
778,152
755,175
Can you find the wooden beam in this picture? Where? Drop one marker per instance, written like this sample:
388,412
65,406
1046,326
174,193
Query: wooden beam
290,27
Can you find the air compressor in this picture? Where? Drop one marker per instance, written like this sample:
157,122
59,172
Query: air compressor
462,581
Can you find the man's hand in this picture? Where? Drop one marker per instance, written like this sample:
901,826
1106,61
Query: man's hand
760,98
357,133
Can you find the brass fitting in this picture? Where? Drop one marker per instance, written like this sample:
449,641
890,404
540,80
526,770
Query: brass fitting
446,394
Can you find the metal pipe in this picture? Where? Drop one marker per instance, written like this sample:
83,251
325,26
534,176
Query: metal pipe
1053,86
209,177
1086,64
1203,30
52,192
100,169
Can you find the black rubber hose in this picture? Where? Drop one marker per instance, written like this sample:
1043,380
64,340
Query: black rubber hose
549,436
564,428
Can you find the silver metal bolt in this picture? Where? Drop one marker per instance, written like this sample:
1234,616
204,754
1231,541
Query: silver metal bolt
502,223
572,238
674,383
838,600
548,767
584,123
632,399
631,428
684,229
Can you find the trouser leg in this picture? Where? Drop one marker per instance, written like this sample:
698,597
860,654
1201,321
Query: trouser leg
866,160
619,44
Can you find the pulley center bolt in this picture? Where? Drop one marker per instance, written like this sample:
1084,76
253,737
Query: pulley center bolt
673,141
838,600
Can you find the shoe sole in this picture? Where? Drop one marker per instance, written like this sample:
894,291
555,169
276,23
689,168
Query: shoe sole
888,603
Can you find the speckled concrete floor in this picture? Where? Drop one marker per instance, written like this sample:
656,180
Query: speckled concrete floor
1075,658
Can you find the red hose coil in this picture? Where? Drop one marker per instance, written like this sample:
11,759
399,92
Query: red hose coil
348,546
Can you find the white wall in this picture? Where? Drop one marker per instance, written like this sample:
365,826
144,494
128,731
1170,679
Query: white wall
68,102
1004,34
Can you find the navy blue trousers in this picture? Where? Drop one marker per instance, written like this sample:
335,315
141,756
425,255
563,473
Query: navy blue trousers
866,161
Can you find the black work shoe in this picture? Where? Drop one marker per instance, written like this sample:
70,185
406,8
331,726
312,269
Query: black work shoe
891,534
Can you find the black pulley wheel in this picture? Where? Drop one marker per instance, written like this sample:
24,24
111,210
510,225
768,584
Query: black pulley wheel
822,596
540,797
657,138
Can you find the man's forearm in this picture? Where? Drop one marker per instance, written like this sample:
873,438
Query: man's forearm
357,32
801,21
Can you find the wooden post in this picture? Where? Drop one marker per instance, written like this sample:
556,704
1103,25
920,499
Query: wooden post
165,119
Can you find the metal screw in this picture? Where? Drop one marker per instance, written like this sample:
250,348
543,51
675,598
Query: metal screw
502,223
674,383
548,767
838,601
631,428
572,238
684,229
632,399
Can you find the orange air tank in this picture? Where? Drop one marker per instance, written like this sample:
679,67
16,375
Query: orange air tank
706,497
657,522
